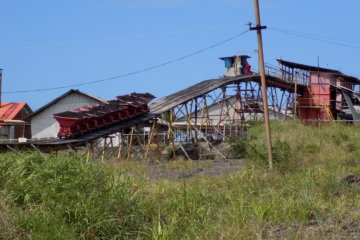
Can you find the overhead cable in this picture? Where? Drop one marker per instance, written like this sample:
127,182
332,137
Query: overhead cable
335,41
134,72
117,38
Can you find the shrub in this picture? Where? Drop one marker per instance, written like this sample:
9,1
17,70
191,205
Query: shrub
311,148
283,156
67,198
237,147
258,153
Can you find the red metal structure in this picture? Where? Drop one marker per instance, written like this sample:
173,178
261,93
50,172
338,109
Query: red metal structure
321,100
85,119
315,102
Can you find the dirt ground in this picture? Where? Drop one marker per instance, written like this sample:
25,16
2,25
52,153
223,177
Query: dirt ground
186,169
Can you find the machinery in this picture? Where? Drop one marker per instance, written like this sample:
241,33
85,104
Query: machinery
93,117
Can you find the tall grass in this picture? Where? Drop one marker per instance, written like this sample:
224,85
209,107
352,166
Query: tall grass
65,198
305,197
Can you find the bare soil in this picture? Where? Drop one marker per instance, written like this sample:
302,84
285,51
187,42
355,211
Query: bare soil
210,168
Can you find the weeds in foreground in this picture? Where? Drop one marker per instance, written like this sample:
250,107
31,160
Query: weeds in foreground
65,198
304,198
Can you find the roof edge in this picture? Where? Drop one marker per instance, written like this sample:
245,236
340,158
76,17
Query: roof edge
306,67
61,97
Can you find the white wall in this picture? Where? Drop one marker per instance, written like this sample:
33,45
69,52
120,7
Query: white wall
43,125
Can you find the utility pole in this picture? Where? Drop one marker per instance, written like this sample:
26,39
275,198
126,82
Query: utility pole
0,86
258,29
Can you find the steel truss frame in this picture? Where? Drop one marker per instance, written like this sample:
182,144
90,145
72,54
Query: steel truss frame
214,116
209,117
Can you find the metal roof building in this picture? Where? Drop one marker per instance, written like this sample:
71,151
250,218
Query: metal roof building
44,126
12,124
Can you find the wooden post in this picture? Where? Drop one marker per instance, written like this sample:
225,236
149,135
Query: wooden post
171,136
104,149
120,145
258,29
130,143
157,140
295,100
13,150
37,150
152,132
90,151
196,116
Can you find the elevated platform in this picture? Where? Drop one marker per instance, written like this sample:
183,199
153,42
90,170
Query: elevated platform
165,104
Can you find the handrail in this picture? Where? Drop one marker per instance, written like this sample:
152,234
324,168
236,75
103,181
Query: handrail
290,77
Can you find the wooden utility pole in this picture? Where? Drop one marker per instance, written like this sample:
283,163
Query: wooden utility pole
258,29
0,85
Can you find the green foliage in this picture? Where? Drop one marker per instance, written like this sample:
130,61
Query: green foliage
311,148
237,147
253,123
351,147
339,137
283,156
66,198
257,153
282,153
304,198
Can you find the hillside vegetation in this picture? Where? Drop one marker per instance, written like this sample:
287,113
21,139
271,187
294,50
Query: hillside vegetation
304,197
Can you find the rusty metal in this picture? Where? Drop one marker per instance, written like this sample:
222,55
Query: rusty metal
88,118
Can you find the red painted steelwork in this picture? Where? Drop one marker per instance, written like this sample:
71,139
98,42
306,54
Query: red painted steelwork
85,119
315,100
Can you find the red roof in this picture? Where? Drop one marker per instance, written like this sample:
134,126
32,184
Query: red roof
8,111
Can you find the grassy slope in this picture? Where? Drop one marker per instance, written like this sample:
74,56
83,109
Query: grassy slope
304,198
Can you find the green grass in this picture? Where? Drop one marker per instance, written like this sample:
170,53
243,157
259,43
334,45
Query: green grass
304,197
64,198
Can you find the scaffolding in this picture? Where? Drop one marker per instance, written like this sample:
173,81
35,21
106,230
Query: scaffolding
213,110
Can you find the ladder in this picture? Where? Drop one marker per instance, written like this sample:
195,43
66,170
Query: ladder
328,112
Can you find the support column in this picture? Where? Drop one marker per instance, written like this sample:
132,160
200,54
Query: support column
258,29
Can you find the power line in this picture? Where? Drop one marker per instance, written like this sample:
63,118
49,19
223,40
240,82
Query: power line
117,38
135,72
318,38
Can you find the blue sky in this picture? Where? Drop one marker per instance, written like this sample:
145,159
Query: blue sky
47,44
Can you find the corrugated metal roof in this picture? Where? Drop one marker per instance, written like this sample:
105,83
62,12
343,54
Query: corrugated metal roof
61,97
166,103
306,67
333,72
245,56
8,111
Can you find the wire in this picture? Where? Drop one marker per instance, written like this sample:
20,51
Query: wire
135,72
317,38
117,38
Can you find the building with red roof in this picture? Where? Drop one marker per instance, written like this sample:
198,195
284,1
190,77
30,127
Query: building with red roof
12,123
